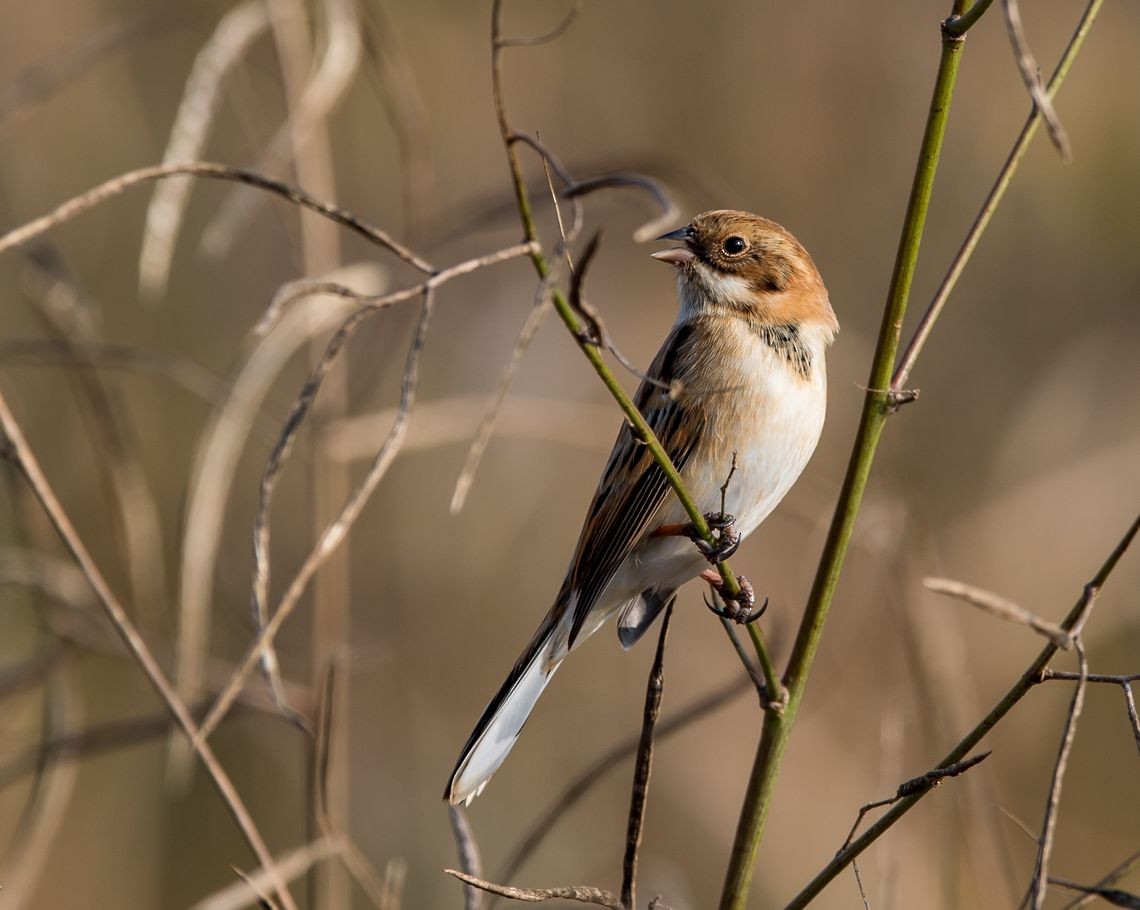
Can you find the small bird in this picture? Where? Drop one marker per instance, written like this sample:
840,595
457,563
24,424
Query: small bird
739,380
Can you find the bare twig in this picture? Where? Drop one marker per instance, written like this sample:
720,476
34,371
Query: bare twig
623,750
1031,76
920,785
1114,896
468,851
1019,690
310,105
993,198
236,31
215,463
583,894
336,531
553,34
1119,871
251,886
998,606
1124,681
134,513
526,335
1040,883
134,641
116,185
1130,704
639,792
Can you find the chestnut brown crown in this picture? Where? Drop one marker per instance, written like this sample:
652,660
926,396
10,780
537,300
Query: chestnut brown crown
749,263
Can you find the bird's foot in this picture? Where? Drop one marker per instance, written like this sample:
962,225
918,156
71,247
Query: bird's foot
727,541
740,609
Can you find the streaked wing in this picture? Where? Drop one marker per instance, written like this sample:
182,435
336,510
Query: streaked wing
633,486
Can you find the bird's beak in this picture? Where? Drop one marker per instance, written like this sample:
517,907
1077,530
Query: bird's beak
679,255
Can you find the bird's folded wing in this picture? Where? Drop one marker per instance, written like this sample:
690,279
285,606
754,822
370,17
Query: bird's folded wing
633,486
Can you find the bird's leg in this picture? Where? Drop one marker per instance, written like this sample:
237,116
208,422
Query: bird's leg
726,543
741,609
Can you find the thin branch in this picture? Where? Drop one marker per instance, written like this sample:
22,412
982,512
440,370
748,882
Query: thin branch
526,335
920,785
310,105
215,464
997,191
134,642
336,531
578,788
998,606
468,855
234,34
1114,896
291,865
1019,690
1122,869
552,35
566,312
116,185
583,894
1031,76
1040,883
639,793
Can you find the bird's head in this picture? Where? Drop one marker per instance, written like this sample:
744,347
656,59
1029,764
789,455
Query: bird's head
750,265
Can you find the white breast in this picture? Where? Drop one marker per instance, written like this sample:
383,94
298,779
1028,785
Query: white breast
773,425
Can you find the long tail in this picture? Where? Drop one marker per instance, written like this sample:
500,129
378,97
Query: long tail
503,719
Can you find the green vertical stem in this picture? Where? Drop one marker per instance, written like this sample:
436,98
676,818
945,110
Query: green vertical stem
876,409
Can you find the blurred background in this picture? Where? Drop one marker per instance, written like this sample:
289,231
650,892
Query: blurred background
1016,471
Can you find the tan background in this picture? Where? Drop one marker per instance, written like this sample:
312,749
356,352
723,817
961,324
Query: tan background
1016,471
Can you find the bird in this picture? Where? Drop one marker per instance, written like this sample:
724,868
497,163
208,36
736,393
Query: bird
739,385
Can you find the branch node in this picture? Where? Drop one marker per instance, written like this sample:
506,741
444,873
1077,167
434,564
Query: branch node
896,398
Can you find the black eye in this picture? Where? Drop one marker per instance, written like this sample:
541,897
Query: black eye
734,245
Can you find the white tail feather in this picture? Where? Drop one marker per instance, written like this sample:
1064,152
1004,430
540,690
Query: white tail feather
498,730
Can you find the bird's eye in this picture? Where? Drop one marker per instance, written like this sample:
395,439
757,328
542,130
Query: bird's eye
735,245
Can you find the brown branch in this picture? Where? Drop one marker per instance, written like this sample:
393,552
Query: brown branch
468,855
639,793
116,185
623,750
1028,679
1040,883
134,641
998,606
336,531
1119,871
552,35
1031,76
583,894
916,786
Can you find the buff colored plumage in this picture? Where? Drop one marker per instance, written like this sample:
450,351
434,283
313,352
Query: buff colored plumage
741,372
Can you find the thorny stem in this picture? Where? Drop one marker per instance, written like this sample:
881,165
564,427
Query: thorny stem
1030,678
777,726
591,349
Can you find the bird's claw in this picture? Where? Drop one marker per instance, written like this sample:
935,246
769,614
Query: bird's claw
727,540
740,609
